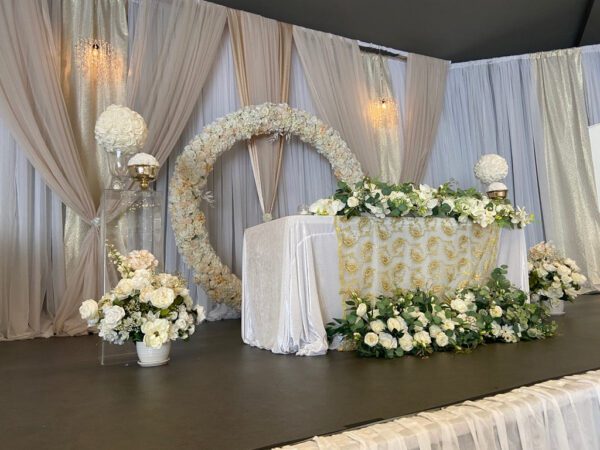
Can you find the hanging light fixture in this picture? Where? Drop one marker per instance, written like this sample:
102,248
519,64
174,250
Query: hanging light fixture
96,58
383,111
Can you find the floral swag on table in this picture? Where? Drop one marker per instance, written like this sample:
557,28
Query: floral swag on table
402,200
420,323
188,187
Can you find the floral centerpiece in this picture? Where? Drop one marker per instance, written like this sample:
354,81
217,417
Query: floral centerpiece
143,167
151,309
420,323
552,277
120,131
491,169
399,200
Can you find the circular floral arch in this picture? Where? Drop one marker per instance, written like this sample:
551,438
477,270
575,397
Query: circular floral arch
187,188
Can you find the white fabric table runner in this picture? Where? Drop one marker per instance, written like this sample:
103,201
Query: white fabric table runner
290,281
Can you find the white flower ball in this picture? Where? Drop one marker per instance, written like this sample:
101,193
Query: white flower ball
491,168
142,159
118,127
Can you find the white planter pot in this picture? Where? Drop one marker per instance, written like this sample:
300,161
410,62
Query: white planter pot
151,357
556,307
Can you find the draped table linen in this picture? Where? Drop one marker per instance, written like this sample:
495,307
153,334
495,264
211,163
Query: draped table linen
291,281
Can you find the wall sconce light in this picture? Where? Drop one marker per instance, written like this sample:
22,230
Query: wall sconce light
96,58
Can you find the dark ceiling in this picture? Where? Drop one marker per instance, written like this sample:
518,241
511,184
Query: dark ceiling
457,30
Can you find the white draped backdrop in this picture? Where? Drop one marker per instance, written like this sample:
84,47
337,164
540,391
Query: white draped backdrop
490,106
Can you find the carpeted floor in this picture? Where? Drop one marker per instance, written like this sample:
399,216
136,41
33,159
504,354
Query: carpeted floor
218,393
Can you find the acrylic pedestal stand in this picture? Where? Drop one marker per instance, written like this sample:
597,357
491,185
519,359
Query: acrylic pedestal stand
131,220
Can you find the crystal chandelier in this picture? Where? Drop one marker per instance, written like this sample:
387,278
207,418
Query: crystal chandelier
96,58
383,111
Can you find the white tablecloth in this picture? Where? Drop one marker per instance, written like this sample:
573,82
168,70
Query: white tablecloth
290,281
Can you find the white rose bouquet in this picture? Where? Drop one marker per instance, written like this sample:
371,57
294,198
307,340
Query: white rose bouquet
144,306
490,170
118,127
420,323
552,277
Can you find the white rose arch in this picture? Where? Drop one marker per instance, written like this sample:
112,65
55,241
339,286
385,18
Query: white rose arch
187,188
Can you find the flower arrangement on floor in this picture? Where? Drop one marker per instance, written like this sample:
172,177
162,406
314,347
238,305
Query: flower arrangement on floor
145,306
552,277
399,200
420,323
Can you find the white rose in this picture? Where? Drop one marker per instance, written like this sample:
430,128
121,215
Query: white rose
371,339
578,278
353,202
434,330
396,324
422,338
377,326
441,339
448,324
112,315
124,288
496,311
387,341
162,297
458,305
156,332
141,279
406,342
89,311
361,311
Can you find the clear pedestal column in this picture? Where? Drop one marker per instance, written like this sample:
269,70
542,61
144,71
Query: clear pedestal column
130,220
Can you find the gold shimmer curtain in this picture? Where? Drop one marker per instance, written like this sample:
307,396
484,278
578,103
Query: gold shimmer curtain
565,167
262,51
390,138
335,74
425,89
34,109
173,51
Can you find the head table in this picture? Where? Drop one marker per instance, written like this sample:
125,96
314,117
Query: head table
298,270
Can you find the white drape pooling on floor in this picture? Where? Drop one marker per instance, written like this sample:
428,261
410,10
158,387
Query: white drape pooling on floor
491,107
566,173
305,175
262,50
335,74
32,269
425,88
559,414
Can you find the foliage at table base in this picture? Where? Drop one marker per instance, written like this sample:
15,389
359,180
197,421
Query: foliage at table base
420,323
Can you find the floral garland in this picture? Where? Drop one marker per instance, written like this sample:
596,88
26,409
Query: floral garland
387,200
552,277
420,323
194,165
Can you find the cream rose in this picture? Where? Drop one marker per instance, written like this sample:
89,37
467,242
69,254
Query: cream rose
422,338
353,202
406,342
496,311
441,339
371,339
396,324
377,326
387,341
124,288
112,315
162,297
458,305
89,311
361,310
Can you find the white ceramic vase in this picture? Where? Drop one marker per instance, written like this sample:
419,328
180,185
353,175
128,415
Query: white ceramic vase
557,307
151,357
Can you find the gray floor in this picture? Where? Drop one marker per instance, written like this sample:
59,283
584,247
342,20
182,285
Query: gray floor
220,394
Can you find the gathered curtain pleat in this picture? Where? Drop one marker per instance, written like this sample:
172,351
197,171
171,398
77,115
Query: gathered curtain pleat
173,52
262,51
335,74
425,93
33,108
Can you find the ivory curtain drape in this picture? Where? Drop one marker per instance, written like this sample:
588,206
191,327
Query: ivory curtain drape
33,107
172,54
565,167
262,51
425,89
335,74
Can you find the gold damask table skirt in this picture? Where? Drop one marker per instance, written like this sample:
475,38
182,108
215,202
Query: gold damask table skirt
377,256
296,270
